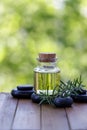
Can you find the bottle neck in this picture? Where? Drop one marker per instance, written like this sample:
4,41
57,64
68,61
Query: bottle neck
48,65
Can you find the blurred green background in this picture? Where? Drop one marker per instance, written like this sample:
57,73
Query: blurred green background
28,27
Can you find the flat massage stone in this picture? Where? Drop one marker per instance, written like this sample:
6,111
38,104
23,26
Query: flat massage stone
25,87
22,94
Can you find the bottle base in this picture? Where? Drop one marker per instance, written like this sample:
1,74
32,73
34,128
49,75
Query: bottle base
47,92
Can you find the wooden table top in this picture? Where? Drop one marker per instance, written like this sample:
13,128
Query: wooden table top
25,115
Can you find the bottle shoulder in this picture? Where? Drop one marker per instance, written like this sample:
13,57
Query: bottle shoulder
47,70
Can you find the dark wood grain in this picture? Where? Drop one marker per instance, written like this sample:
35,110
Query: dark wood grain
27,116
2,100
77,116
7,111
53,118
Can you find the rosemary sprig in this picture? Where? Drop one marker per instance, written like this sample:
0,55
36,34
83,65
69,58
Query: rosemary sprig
71,87
62,90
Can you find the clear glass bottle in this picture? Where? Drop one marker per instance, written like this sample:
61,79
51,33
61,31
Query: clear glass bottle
46,74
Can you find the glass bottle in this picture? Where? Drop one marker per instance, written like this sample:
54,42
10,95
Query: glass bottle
46,74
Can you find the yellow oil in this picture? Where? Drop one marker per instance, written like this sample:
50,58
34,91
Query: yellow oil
46,82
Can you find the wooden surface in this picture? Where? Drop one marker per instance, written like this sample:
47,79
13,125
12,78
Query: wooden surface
24,115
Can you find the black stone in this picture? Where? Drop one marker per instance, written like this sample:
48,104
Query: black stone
35,98
81,92
79,98
21,94
25,87
63,102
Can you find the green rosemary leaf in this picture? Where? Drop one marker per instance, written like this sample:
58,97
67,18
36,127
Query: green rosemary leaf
42,101
63,83
63,90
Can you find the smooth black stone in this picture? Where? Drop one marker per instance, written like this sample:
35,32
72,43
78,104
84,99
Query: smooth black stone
81,92
21,94
35,98
79,98
63,102
25,87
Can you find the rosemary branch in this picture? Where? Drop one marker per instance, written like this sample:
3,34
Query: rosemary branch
62,90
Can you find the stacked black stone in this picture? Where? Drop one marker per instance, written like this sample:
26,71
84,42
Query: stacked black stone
23,91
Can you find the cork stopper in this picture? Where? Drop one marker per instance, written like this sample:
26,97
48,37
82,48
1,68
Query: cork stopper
47,57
